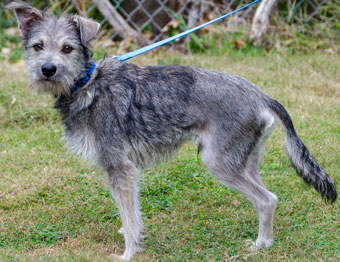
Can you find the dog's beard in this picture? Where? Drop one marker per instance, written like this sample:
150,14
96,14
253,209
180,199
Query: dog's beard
56,88
56,85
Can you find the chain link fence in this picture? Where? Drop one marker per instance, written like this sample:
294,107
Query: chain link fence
148,21
306,13
152,20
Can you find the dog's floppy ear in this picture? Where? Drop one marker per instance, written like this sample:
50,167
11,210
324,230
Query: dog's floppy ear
27,15
88,29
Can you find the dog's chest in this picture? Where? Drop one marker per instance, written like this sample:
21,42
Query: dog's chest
78,134
82,142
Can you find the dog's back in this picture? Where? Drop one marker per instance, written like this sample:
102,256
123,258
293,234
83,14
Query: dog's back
152,110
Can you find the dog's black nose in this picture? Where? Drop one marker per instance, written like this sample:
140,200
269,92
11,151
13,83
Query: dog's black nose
48,70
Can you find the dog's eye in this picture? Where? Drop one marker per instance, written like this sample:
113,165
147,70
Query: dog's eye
38,47
67,49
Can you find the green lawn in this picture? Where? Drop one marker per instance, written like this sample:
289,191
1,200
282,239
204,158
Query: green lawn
55,207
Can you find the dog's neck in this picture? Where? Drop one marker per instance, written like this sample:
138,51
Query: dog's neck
63,102
83,81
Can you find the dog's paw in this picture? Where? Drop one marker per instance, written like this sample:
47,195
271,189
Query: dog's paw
127,256
121,231
260,244
253,248
123,257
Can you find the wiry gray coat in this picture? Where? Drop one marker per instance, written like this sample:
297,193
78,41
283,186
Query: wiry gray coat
127,117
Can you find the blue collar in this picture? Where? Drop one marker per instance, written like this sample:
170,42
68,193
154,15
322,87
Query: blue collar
84,80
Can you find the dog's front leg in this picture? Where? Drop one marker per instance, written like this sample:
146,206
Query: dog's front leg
124,188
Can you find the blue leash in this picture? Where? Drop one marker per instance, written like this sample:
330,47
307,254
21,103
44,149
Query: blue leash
165,41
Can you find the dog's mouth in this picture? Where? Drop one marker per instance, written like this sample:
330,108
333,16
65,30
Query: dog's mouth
49,80
50,85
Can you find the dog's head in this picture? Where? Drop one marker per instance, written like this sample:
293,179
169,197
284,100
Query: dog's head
56,49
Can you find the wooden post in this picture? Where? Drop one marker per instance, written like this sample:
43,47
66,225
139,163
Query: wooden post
117,21
80,6
260,21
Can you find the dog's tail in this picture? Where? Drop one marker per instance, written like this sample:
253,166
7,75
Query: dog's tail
303,162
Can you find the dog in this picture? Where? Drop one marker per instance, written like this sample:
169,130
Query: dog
124,117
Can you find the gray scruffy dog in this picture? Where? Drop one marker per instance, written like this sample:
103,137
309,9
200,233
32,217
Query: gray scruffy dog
124,117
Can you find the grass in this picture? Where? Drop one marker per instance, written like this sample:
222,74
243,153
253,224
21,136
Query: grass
55,207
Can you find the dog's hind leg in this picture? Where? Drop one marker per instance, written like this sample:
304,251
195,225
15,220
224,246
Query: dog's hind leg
265,210
124,190
249,183
263,200
235,164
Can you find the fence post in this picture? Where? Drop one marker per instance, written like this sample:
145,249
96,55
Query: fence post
117,21
260,21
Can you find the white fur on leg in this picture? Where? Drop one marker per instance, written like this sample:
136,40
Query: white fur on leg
128,254
125,192
265,212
